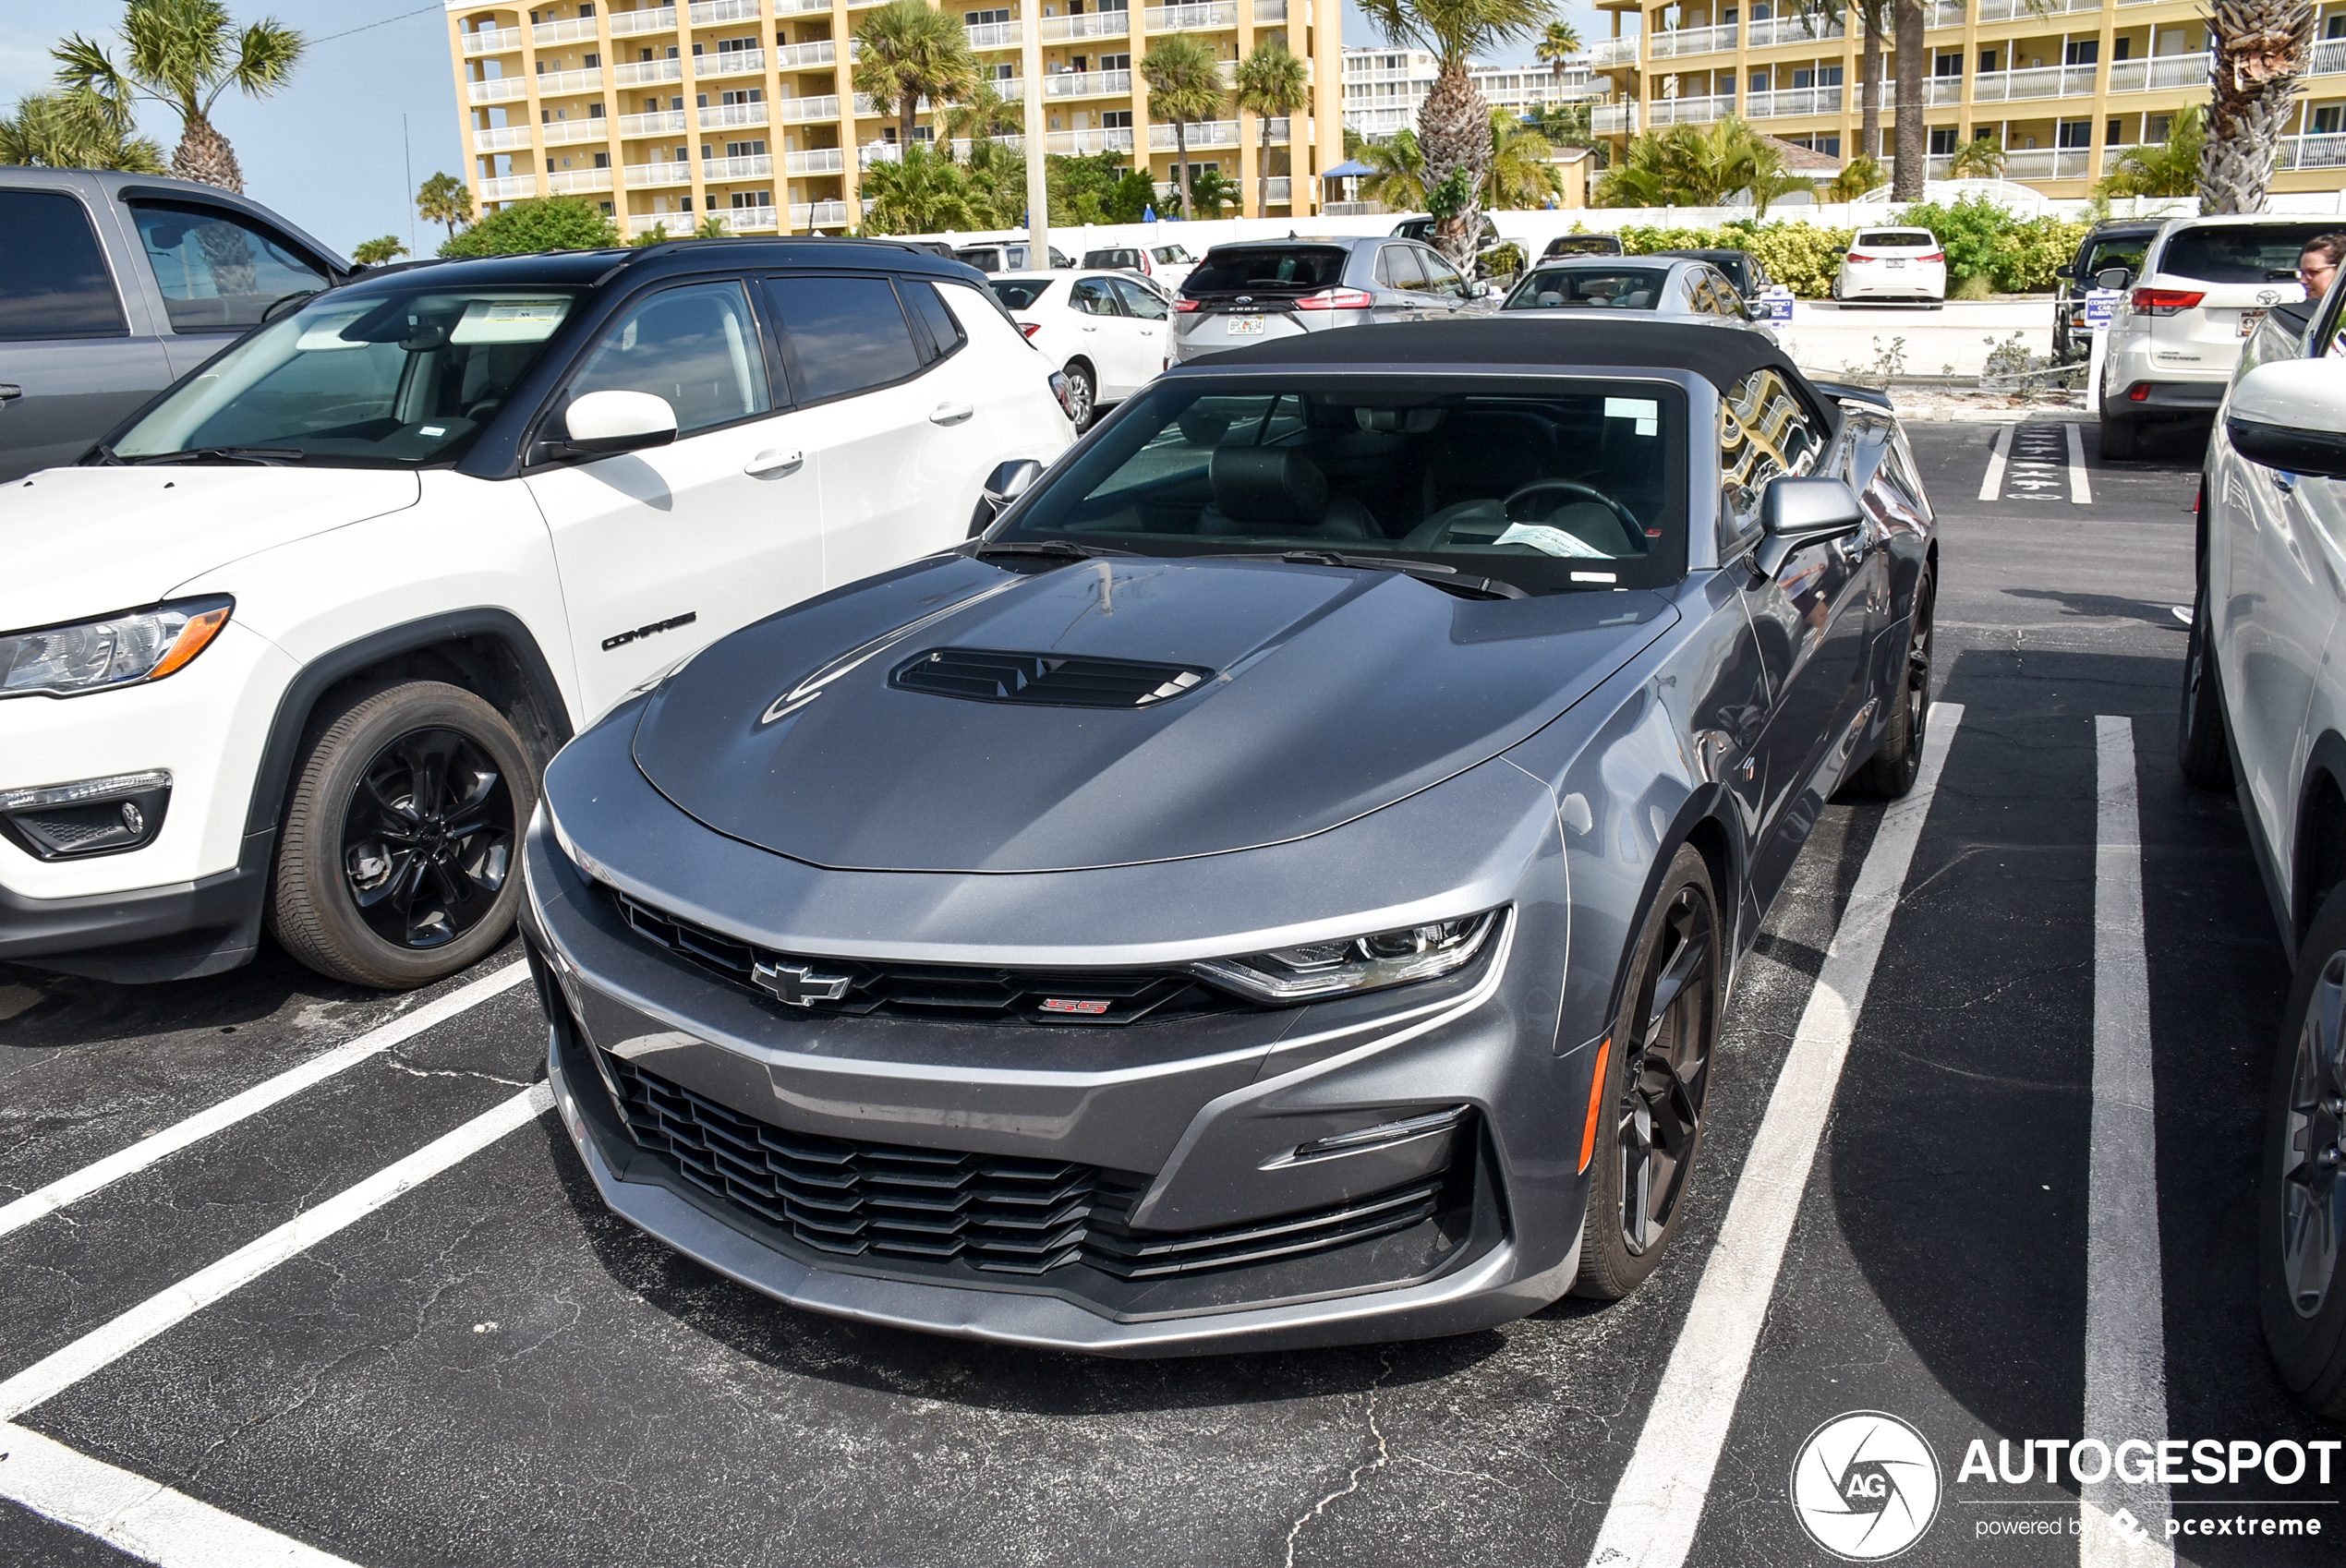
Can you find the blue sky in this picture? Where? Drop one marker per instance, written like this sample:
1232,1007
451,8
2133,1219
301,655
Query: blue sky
327,151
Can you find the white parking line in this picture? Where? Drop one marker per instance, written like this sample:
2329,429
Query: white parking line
1993,486
116,1338
260,1097
2081,490
1659,1500
2126,1322
144,1518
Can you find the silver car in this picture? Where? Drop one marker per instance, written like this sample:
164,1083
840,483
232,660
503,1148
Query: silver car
1263,290
1672,287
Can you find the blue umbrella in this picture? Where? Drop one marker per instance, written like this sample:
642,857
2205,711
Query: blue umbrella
1347,169
1148,213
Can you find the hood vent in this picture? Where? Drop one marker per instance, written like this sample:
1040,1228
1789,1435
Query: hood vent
987,675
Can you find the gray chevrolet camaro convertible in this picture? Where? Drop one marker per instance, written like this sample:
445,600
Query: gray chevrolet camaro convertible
1277,887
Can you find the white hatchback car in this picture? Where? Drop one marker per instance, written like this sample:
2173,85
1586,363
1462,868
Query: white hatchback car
293,645
2175,337
1893,265
1107,331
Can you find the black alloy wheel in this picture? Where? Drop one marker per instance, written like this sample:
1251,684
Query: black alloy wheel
428,839
2303,1194
2201,746
1897,760
1657,1083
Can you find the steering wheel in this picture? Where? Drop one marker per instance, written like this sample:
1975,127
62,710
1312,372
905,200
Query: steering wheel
1574,487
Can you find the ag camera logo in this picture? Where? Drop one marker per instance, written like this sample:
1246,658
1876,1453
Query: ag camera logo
1866,1485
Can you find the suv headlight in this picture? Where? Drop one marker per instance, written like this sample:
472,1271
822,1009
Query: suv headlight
139,644
1355,963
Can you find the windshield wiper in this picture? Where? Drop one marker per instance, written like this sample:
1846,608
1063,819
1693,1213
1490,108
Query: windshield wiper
1067,548
263,454
1448,577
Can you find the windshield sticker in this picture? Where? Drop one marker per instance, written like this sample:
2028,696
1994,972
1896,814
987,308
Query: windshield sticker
1644,410
510,321
1596,577
325,333
1551,541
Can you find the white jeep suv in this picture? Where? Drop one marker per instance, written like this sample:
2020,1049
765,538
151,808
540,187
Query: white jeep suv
294,643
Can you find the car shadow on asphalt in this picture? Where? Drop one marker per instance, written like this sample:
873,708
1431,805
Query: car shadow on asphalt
2108,607
71,1010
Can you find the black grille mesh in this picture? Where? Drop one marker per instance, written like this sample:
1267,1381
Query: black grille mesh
989,675
934,991
995,1213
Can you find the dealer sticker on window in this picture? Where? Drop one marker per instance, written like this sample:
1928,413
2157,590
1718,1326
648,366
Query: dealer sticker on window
510,321
1644,410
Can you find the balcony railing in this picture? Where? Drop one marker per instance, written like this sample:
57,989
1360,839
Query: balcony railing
591,128
793,8
808,214
2166,70
554,83
1088,84
1187,18
708,11
495,42
1806,27
759,220
1614,119
1785,102
1098,24
512,188
2048,163
1353,210
1270,12
641,176
2319,150
497,90
569,182
1942,13
1673,42
1104,138
815,161
732,63
1693,111
504,136
1201,134
1608,52
652,125
960,145
635,73
2041,81
758,165
2328,57
1282,188
806,56
2024,10
794,109
716,116
656,19
543,33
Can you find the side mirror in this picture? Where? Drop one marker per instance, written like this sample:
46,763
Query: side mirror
2290,415
1797,512
601,422
1006,484
1840,250
1757,310
2113,277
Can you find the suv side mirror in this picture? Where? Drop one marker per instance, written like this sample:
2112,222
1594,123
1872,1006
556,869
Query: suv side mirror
601,422
1797,512
2290,415
2113,277
1006,484
1757,310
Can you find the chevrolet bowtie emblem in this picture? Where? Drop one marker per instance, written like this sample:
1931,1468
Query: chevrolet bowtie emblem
799,985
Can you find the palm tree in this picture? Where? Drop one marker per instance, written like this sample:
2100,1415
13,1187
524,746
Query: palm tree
911,51
2260,49
377,252
1522,172
184,55
1454,125
1913,158
1874,16
2172,167
1557,45
73,130
1700,166
1271,87
923,192
444,198
1398,183
1185,86
1979,159
1858,176
980,116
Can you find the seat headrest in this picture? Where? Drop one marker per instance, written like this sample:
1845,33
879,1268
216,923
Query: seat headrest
1270,485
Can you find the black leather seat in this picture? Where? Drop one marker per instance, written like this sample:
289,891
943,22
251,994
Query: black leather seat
1279,492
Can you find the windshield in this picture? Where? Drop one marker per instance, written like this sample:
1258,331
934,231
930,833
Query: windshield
2120,250
1896,239
1549,484
1566,288
396,380
1022,293
1584,244
1271,269
2239,253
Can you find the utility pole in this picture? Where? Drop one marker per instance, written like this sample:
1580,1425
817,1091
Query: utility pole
1038,189
408,153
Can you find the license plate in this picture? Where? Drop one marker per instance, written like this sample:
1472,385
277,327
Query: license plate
2248,320
1894,263
1246,326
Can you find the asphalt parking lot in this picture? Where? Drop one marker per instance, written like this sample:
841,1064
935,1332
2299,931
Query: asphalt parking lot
324,1331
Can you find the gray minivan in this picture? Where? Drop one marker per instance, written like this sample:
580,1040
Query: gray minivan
1257,290
113,286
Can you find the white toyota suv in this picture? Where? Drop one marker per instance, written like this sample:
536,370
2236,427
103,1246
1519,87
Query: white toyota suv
293,645
2175,336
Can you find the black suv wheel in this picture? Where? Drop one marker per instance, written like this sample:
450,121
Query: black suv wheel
2302,1195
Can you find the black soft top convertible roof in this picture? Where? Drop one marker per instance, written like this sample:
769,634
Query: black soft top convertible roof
1722,355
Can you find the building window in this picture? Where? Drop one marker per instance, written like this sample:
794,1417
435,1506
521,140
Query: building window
2113,133
1117,119
602,159
1116,62
1942,141
594,110
2335,26
2121,49
745,150
2074,133
1987,59
591,62
2326,119
1002,72
1947,63
985,19
2155,127
1759,81
753,198
2082,52
1829,145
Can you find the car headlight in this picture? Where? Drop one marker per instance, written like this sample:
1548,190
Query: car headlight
1355,963
141,644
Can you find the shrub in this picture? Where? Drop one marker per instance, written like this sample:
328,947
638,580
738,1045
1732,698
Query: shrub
549,222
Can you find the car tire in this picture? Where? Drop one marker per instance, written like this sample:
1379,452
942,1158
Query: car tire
1897,761
2301,1196
399,860
2201,746
1083,393
2119,438
1655,1068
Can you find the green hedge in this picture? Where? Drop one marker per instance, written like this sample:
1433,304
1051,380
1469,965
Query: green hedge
2014,255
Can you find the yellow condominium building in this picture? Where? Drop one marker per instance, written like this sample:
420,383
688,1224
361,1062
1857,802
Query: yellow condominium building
745,109
2060,86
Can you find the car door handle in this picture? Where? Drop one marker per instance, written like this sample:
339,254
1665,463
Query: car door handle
953,413
10,392
774,464
2285,483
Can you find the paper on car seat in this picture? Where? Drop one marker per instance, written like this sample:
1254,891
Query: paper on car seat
1553,541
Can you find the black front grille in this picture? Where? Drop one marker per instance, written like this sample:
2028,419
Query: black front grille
987,675
935,991
995,1213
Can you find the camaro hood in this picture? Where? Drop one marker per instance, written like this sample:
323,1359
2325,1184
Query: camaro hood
81,542
1304,697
